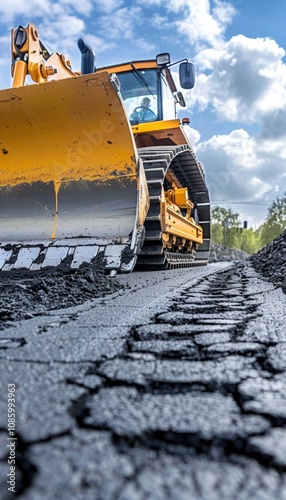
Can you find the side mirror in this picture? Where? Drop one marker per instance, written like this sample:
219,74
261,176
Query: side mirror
187,75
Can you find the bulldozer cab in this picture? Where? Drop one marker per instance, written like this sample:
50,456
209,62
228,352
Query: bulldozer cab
149,91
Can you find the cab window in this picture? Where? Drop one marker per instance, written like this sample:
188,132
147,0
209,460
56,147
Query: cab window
139,90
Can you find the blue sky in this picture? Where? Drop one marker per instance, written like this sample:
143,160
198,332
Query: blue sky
238,106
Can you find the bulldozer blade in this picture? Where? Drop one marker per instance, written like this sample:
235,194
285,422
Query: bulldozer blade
68,164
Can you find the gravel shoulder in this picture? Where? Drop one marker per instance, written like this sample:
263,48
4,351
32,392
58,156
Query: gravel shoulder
270,261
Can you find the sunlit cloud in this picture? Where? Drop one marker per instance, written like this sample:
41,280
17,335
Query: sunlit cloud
238,167
201,22
243,81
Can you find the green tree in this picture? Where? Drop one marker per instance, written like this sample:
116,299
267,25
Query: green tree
250,241
232,237
226,230
275,222
225,227
221,215
217,234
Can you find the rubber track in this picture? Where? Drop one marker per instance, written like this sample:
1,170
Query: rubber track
181,163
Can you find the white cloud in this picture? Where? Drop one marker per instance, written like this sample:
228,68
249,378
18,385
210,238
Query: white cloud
83,7
35,9
273,126
12,9
201,22
121,25
55,31
240,168
203,25
224,12
245,80
108,6
193,135
144,45
159,21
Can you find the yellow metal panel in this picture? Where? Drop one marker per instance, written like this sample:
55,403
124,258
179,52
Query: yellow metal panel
68,164
181,197
178,225
149,127
64,130
161,130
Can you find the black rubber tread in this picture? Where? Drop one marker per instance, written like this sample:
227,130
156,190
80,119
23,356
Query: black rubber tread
180,161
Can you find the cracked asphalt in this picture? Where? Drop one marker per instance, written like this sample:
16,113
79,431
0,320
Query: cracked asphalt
168,385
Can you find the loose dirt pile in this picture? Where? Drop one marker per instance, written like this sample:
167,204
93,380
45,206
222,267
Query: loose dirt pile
221,253
270,261
23,294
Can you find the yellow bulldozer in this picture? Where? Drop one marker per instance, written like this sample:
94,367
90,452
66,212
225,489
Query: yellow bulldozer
95,163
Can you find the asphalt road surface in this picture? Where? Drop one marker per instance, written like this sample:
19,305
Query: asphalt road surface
171,387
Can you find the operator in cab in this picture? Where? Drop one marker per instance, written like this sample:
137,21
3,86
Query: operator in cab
143,113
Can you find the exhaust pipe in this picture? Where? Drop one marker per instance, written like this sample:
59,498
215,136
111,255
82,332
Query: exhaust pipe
87,58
